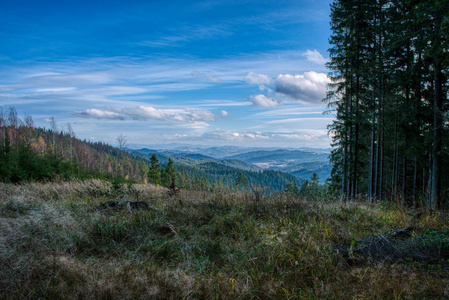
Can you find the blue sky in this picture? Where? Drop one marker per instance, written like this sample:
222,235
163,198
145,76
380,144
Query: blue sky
246,73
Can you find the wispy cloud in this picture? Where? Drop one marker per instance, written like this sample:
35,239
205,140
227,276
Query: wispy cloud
235,135
297,120
58,79
187,34
206,77
56,90
291,110
98,75
112,91
221,103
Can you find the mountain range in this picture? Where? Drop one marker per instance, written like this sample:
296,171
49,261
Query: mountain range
301,163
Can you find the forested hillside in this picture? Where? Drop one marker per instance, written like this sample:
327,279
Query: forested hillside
28,153
204,173
390,68
225,176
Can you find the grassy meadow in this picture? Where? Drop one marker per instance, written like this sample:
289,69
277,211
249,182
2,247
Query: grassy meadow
56,243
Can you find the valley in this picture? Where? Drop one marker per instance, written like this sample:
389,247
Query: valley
301,163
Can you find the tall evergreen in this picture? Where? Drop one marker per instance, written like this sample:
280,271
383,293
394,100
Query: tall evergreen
154,175
389,90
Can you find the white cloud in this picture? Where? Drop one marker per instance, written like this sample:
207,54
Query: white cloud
315,57
264,101
199,115
100,114
261,80
148,112
309,87
224,114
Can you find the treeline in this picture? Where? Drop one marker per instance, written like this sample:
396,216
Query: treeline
28,153
389,68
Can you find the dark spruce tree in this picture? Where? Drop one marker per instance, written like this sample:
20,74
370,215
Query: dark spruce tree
389,69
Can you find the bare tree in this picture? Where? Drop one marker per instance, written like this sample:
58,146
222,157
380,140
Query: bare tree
13,119
54,128
29,121
71,134
26,129
121,141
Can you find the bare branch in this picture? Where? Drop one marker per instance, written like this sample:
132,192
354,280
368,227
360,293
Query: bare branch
122,141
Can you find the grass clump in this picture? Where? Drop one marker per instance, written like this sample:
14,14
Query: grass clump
55,243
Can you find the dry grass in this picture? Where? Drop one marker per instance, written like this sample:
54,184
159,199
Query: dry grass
54,244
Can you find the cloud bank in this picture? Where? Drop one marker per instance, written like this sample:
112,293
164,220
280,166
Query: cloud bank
305,137
309,87
149,113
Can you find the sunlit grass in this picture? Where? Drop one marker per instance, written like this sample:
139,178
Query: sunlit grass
55,244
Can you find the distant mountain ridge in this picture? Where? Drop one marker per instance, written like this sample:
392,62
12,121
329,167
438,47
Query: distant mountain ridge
193,159
301,163
280,155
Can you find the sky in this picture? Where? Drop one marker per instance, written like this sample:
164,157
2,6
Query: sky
214,73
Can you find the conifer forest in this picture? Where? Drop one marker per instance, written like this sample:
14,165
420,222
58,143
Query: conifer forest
389,66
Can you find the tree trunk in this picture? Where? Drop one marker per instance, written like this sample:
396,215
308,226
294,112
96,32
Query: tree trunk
437,133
